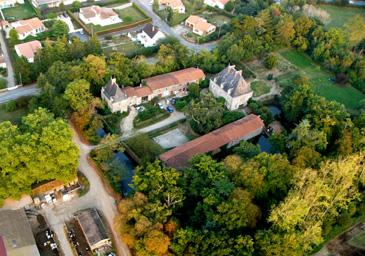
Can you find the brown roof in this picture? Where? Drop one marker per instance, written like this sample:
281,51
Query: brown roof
140,91
246,128
28,49
27,26
47,187
199,23
184,76
94,10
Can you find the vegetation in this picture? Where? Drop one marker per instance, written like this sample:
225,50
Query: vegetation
259,88
19,12
144,147
358,240
3,83
39,149
340,15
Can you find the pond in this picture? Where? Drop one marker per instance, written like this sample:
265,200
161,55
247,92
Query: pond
264,144
275,111
128,168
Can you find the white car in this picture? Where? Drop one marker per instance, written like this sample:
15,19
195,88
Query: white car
160,105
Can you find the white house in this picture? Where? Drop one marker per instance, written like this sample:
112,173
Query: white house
9,3
28,50
25,28
230,84
150,35
175,5
97,15
217,3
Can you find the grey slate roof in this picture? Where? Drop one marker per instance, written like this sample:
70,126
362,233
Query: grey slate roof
16,233
113,92
232,81
150,30
92,226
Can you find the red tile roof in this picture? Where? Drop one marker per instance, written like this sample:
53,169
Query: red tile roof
245,128
183,76
28,49
140,91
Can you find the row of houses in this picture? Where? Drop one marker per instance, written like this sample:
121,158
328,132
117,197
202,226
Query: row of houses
179,7
229,84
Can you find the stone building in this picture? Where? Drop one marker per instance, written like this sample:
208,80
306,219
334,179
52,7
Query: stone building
230,84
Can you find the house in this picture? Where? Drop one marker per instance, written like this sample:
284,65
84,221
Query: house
230,84
25,28
170,84
97,15
9,3
16,237
93,229
216,3
199,25
150,35
28,50
228,135
52,190
175,5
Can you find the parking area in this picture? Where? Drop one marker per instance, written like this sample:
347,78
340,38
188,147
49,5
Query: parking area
171,139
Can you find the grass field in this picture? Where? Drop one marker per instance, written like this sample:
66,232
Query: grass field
320,79
21,11
123,45
358,240
259,88
341,14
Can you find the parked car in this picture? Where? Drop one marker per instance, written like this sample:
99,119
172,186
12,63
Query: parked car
173,101
160,105
170,109
140,108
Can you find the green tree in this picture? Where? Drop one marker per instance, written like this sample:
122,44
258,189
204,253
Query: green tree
13,37
247,150
205,114
59,29
76,5
355,29
271,61
78,95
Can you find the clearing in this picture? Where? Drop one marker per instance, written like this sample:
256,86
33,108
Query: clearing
340,15
320,78
171,139
121,44
19,12
259,88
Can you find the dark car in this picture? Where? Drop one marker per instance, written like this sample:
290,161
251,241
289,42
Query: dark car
173,101
170,109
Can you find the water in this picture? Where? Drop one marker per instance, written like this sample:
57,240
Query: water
128,172
275,111
264,144
100,133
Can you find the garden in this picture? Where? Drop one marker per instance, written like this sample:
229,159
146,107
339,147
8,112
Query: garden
340,15
259,88
131,16
19,12
322,79
151,114
120,43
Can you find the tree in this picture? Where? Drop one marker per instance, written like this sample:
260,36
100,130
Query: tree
229,6
238,211
247,150
13,37
205,114
285,30
40,149
271,61
76,5
194,90
78,95
59,29
355,29
94,69
23,71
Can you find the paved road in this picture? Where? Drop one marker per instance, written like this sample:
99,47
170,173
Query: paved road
128,122
163,26
97,197
10,78
17,93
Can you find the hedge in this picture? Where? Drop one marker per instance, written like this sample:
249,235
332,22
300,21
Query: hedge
151,121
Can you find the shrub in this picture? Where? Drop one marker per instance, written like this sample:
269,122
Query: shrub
270,61
144,147
270,77
259,109
229,6
204,84
3,83
231,116
180,104
10,106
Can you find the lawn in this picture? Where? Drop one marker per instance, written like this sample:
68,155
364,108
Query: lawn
320,78
144,147
3,83
121,44
358,240
259,88
341,14
216,18
21,11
